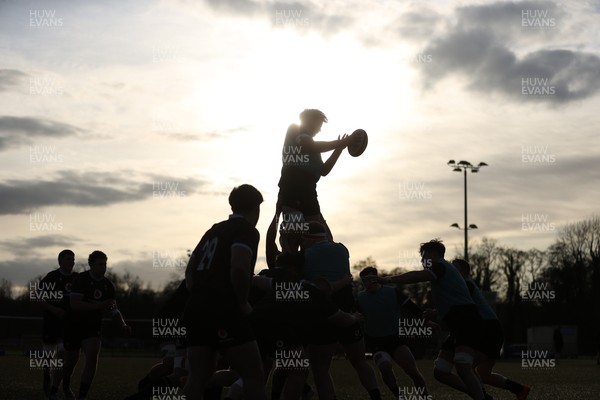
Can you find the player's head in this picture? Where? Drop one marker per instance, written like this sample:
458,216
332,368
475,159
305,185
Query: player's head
66,260
433,250
245,200
367,275
312,120
97,262
463,267
316,233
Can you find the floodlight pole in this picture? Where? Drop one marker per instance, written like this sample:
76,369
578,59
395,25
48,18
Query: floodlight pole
458,167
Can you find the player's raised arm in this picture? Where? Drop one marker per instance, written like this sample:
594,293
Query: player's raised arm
330,163
323,146
409,277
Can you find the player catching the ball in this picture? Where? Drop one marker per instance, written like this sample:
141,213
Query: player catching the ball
302,168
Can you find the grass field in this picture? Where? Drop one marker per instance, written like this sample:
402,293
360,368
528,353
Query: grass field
117,377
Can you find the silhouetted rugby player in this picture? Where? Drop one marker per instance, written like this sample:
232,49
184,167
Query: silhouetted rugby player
284,319
381,306
301,170
92,296
57,287
218,276
456,309
491,343
329,261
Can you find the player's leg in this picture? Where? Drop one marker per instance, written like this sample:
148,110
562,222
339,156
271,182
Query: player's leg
355,352
464,359
202,361
72,343
384,363
295,379
442,371
48,373
405,359
57,375
320,356
245,360
91,349
489,377
290,229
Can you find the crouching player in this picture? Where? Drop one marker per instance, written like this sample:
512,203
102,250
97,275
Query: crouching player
381,306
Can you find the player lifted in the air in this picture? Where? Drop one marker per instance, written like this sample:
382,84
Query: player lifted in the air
302,168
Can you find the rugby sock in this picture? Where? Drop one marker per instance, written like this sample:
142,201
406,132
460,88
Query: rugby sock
83,389
396,391
513,386
374,394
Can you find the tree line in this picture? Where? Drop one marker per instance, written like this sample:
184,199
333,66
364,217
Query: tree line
556,286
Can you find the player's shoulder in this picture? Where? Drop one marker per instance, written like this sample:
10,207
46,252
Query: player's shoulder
51,275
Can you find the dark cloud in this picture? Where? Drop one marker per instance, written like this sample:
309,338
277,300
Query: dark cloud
288,14
90,189
18,131
417,24
23,245
10,78
478,49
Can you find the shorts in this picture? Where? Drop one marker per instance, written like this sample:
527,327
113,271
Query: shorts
388,344
218,330
53,330
329,334
272,336
466,326
76,331
301,197
493,338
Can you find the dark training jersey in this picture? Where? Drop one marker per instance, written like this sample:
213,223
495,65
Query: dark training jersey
486,312
297,162
331,261
449,288
59,285
212,288
92,291
381,309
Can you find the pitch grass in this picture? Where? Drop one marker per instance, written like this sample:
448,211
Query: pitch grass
117,377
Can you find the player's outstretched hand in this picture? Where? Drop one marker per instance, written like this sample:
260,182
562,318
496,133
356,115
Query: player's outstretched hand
345,140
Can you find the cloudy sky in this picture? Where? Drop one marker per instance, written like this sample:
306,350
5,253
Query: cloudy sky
124,125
